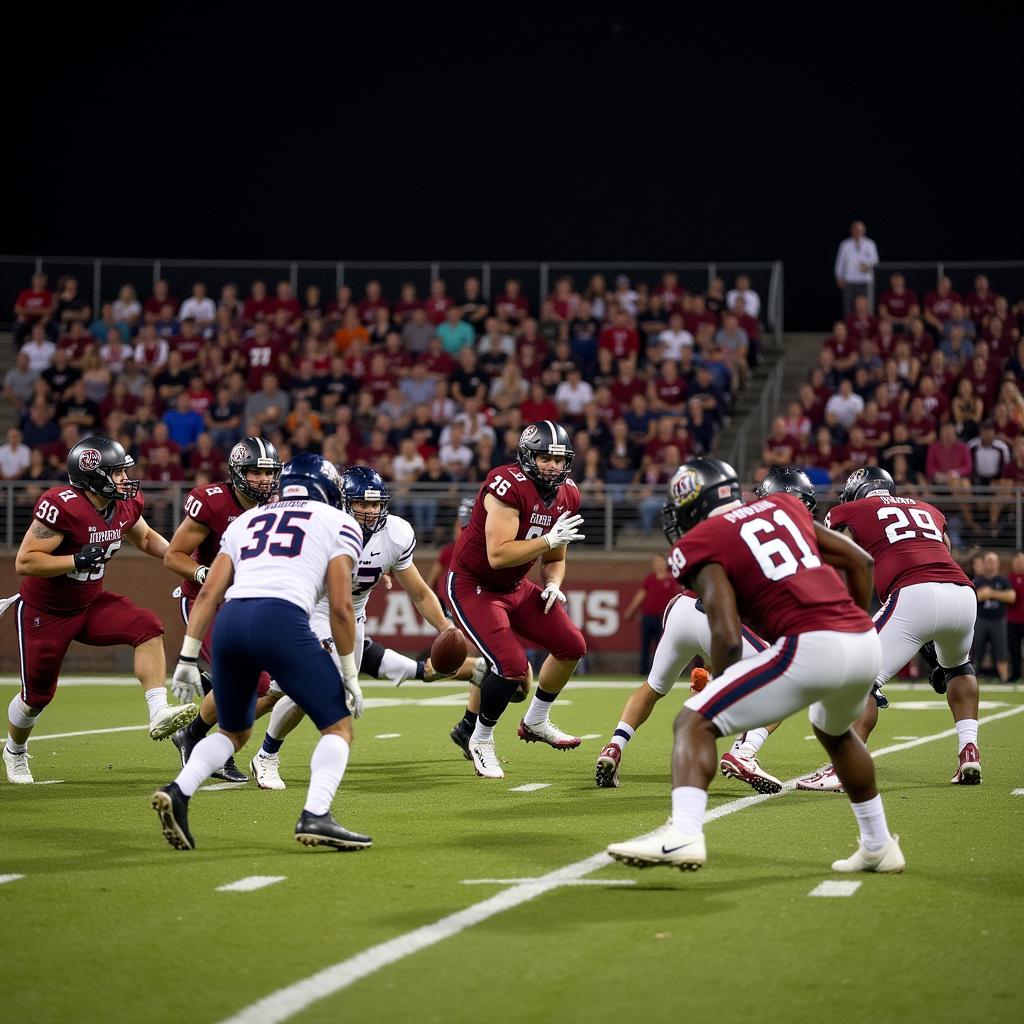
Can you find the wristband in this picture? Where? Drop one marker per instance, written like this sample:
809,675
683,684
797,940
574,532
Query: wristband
190,648
199,576
348,666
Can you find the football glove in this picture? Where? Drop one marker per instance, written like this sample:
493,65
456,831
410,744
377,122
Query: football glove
565,530
550,594
90,557
186,682
353,697
699,678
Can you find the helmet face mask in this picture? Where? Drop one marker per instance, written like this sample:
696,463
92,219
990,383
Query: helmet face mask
92,464
696,489
254,453
545,439
789,480
313,478
361,484
865,481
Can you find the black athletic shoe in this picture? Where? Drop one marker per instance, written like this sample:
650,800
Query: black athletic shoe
171,807
230,772
460,737
880,698
323,830
185,743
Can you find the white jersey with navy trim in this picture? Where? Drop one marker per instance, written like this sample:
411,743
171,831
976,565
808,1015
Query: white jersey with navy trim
282,550
387,550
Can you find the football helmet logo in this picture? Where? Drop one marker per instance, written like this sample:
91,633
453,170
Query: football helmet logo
684,487
239,452
528,434
89,460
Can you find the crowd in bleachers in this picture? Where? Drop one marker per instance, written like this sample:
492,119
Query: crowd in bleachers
424,388
930,389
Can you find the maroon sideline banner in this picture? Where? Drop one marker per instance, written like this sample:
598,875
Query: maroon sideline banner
596,607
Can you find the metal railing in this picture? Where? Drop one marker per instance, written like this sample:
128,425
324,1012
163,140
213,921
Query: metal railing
624,518
101,278
759,418
1005,276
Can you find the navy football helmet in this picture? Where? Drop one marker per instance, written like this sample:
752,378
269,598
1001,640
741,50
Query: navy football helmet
696,489
254,453
864,481
789,480
91,466
313,477
360,483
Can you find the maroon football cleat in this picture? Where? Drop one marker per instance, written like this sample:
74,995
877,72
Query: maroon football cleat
606,773
747,770
968,771
545,732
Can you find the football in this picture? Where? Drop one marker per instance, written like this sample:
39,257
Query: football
448,652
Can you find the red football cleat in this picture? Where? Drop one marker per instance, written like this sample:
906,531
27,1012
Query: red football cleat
606,773
968,771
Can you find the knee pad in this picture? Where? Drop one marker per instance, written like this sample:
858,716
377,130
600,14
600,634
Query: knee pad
373,655
942,677
506,682
21,715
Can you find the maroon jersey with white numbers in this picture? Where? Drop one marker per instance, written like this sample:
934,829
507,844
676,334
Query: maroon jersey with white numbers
510,485
769,551
904,537
213,506
69,511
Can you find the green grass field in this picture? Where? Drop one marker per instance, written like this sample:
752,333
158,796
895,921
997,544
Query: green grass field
110,924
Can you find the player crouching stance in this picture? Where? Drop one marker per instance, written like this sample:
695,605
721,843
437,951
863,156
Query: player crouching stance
76,530
768,561
524,511
275,562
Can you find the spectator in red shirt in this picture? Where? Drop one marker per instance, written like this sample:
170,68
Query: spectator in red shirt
671,292
339,304
407,303
860,324
200,398
259,305
152,308
285,299
698,316
938,305
843,348
780,448
34,305
438,362
651,599
539,405
876,434
920,425
667,392
949,464
1015,616
188,344
981,302
438,303
372,300
898,304
512,305
620,338
265,353
625,385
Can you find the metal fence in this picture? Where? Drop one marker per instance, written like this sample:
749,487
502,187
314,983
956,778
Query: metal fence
101,278
622,519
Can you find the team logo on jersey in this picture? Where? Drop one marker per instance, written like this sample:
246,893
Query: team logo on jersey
528,434
239,453
684,487
89,460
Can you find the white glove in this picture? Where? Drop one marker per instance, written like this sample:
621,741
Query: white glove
550,594
353,696
186,683
565,530
200,574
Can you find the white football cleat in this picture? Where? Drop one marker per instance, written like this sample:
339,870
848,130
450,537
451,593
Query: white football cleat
824,780
169,719
667,847
266,771
485,760
888,860
746,769
17,767
545,732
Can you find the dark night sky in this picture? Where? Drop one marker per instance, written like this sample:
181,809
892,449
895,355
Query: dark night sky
603,134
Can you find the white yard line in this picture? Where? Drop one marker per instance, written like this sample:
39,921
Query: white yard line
529,787
835,889
9,878
251,884
387,736
520,881
292,999
1017,792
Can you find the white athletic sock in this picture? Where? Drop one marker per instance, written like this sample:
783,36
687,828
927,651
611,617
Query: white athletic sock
482,733
156,699
688,806
540,707
327,766
622,735
749,743
966,732
874,832
397,668
207,756
16,748
284,716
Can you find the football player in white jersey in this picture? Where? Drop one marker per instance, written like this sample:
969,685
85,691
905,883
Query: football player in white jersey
388,547
275,563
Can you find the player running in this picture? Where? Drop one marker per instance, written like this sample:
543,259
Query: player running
524,510
926,598
254,468
77,528
770,563
274,564
388,547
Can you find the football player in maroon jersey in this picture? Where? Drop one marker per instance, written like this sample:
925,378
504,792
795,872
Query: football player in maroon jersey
768,562
525,510
927,601
77,529
254,467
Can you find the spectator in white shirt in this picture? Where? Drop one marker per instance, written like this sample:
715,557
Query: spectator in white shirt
751,300
674,339
151,350
473,422
573,395
39,350
455,454
855,265
495,340
115,353
127,308
199,307
846,405
14,456
625,296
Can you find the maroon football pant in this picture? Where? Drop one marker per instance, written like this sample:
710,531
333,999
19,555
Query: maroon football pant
43,639
494,621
